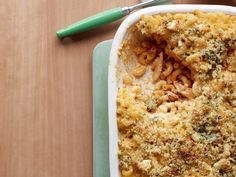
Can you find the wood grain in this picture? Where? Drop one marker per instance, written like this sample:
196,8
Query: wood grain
45,87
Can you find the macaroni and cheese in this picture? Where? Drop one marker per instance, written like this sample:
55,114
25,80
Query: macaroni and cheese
176,107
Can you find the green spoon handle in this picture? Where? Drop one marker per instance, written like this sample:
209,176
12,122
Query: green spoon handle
92,22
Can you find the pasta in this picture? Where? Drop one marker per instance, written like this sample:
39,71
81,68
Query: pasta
160,84
128,172
176,66
169,69
175,74
185,80
158,68
177,115
127,79
139,71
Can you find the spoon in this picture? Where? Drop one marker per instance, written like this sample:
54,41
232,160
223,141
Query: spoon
101,19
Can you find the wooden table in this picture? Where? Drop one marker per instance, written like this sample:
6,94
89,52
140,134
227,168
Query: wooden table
45,87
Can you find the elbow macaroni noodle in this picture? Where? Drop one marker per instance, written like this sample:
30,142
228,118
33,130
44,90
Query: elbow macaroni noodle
176,107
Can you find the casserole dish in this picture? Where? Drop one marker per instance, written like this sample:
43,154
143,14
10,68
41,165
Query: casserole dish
113,81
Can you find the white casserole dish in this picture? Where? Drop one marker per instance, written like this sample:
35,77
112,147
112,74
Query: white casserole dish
112,79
